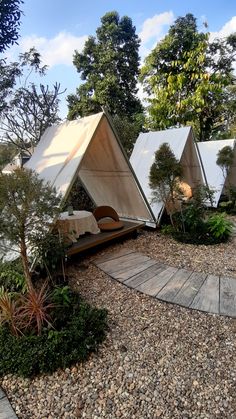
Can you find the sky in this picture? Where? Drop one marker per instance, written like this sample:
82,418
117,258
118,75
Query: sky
59,27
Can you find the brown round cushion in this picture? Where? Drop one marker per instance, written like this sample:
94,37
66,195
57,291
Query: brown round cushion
110,226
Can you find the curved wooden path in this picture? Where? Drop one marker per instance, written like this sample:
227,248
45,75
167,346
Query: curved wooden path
195,290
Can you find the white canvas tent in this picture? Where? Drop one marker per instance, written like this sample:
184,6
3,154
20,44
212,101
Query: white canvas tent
181,142
88,148
208,151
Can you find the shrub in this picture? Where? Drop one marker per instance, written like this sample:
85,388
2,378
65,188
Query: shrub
167,229
29,355
219,227
12,277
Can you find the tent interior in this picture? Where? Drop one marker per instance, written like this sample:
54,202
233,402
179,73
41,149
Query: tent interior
88,148
214,176
181,142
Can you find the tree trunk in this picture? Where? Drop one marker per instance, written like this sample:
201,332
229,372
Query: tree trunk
25,263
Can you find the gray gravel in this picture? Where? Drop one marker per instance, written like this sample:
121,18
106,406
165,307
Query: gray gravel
158,360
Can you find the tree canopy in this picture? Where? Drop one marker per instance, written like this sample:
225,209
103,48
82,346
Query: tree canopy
26,109
187,78
109,67
10,15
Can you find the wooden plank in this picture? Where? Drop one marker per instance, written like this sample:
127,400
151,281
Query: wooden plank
123,263
207,298
190,288
148,273
93,240
169,291
154,284
113,255
228,296
133,271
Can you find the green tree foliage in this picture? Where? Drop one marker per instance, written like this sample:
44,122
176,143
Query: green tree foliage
109,67
225,158
10,14
128,130
26,109
27,207
187,78
7,152
164,177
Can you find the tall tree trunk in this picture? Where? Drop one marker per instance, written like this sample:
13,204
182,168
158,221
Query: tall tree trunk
25,263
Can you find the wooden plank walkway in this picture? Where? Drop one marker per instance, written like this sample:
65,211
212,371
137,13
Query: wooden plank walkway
194,290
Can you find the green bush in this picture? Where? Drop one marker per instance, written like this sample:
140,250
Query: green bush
219,227
195,238
30,355
12,277
167,229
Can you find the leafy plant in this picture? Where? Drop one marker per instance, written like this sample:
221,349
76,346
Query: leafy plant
220,227
54,348
49,251
12,277
62,296
167,229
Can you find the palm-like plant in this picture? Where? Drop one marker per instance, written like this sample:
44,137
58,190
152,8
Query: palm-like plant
9,312
35,309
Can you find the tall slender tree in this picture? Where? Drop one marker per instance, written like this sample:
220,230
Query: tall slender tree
109,67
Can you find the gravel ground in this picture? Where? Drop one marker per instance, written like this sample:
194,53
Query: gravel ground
158,361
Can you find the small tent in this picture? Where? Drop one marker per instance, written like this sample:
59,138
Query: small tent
181,142
208,151
88,148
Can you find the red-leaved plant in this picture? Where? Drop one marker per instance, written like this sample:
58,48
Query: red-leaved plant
10,312
35,307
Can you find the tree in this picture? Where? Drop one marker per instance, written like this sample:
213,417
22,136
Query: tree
109,67
186,77
26,110
10,14
128,130
225,159
164,177
28,206
7,152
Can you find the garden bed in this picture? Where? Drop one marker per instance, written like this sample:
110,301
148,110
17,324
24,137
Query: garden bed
158,360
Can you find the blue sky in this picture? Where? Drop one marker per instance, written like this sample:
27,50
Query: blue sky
58,27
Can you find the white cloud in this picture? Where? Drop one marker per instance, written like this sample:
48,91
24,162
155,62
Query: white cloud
57,50
226,30
153,26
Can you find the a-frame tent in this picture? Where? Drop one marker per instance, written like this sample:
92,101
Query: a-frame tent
181,142
89,148
215,179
